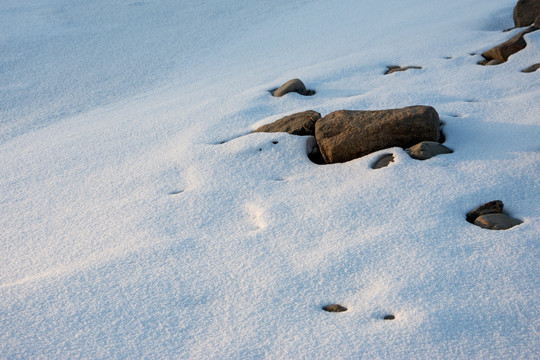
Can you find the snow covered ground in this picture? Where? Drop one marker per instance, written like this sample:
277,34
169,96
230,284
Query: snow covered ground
140,219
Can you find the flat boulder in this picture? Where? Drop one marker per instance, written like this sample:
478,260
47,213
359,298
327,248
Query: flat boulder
525,12
349,134
496,221
503,51
302,123
427,149
294,85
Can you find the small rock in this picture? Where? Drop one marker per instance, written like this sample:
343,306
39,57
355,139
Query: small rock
427,149
492,207
531,68
389,317
334,308
503,51
383,161
494,62
296,124
496,221
525,12
294,85
394,68
347,134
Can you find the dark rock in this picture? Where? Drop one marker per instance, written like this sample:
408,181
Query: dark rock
503,51
394,68
296,124
294,85
531,68
389,317
347,134
496,221
313,152
492,207
383,161
525,12
334,308
427,149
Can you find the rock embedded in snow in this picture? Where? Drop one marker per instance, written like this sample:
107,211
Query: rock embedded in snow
395,68
302,123
294,85
389,317
525,12
492,207
496,221
427,149
383,161
503,51
334,308
531,68
345,135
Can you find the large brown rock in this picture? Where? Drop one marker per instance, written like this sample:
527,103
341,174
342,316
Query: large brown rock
346,134
503,51
297,124
525,12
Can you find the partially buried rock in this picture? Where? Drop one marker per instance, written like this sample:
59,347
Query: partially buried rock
383,161
492,207
296,124
348,134
395,68
496,221
531,68
525,12
427,149
503,51
334,308
294,85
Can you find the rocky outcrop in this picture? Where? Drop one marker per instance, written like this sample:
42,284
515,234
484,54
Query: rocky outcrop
395,68
294,85
503,51
296,124
427,149
346,134
525,12
490,216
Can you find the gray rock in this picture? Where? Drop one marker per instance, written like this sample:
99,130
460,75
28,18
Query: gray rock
394,68
496,221
427,149
492,207
531,68
503,51
383,161
525,12
347,134
294,85
297,124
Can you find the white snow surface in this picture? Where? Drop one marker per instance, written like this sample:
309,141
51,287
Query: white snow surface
141,219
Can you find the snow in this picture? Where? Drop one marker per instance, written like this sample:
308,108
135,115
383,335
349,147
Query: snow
141,219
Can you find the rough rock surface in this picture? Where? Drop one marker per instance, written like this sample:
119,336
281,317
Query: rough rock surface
492,207
395,68
531,68
297,124
525,12
496,221
503,51
347,134
294,85
383,161
427,149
